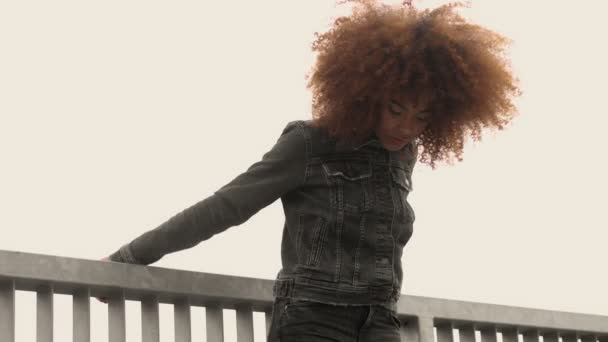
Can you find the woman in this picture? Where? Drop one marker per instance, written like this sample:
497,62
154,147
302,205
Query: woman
391,85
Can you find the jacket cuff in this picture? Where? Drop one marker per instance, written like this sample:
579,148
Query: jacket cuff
124,255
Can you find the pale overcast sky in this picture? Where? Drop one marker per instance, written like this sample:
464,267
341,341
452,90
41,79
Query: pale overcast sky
116,115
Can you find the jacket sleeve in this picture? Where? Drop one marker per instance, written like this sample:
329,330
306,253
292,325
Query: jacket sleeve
281,169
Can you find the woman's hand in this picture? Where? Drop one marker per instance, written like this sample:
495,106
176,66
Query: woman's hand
104,299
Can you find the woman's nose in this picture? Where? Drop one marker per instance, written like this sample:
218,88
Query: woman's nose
406,128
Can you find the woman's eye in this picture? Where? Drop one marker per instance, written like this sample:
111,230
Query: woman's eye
395,109
424,116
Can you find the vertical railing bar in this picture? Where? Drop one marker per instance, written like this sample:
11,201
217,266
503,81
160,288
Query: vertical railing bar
244,325
510,334
116,318
488,334
150,331
268,320
44,314
531,336
181,314
7,311
550,336
445,332
466,333
425,326
409,329
81,316
214,317
569,337
588,338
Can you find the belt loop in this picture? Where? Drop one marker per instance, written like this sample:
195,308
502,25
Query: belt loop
282,288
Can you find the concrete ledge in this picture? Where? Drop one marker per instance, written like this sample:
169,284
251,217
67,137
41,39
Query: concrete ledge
134,282
461,313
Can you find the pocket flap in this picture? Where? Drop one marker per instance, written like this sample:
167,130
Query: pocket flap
402,178
350,170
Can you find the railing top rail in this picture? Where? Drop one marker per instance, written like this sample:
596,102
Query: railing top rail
135,282
67,275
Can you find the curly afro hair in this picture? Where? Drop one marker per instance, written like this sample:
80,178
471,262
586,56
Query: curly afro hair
458,67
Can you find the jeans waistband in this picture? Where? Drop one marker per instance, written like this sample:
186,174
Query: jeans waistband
291,288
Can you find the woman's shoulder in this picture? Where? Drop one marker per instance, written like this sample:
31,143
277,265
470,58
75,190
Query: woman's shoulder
310,129
303,124
317,137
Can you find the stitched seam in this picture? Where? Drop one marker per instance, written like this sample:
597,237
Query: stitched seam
127,255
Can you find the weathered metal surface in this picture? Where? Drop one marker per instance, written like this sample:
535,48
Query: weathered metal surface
7,311
116,319
135,282
150,320
466,333
425,325
64,275
244,325
181,313
214,317
44,314
569,338
81,316
445,332
501,316
588,338
488,334
510,335
531,335
551,337
268,320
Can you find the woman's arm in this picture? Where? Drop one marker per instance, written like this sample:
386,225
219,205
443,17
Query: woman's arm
281,169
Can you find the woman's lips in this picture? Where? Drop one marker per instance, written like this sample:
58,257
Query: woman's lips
399,140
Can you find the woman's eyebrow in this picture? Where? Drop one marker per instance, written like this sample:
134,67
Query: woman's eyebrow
425,109
397,103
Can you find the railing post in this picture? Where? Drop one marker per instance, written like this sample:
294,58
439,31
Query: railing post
7,311
116,318
426,329
409,330
466,333
569,338
150,320
488,334
550,337
244,325
510,335
531,336
44,314
445,332
81,316
181,313
268,320
588,338
214,317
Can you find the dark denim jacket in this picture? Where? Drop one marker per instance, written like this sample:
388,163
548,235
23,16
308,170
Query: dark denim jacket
346,217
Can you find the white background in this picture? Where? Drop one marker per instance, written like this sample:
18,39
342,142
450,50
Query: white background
116,115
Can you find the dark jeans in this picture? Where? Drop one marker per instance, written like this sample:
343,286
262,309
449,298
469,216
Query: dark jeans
304,321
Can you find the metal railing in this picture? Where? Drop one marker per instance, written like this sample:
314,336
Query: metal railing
424,319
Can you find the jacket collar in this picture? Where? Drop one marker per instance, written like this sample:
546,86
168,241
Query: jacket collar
372,141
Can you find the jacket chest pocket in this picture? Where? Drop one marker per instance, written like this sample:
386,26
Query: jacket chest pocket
403,181
350,184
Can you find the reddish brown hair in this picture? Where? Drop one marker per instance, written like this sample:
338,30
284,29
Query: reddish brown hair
434,54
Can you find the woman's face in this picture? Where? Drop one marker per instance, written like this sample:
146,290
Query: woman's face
401,121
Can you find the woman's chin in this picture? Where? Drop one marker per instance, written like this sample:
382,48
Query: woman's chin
394,147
